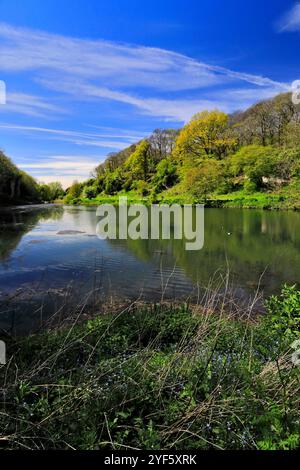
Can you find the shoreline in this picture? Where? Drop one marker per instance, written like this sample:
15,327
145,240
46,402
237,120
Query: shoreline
262,201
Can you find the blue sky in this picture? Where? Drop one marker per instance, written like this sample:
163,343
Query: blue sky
88,77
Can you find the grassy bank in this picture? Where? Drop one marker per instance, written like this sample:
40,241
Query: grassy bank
281,200
284,198
157,377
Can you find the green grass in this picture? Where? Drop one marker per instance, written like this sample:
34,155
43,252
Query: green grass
156,377
287,198
132,198
282,200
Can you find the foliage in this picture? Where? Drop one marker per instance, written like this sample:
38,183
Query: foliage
166,175
142,188
205,135
213,155
15,185
50,192
114,182
74,192
89,192
154,377
255,162
138,164
202,180
284,311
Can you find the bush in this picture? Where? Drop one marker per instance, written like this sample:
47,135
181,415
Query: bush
166,175
204,180
114,182
89,192
255,162
250,186
142,188
284,311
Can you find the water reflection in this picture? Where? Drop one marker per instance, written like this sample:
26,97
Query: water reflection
16,222
42,251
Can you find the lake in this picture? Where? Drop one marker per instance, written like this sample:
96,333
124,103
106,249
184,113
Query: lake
42,257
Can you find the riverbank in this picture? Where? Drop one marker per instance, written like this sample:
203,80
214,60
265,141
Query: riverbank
284,199
156,377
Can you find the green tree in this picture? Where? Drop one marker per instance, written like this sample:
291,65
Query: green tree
45,193
254,162
166,175
74,192
206,135
114,182
138,164
56,190
28,187
9,178
89,192
204,179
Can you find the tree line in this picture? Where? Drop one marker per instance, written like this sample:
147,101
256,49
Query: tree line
16,186
214,153
254,150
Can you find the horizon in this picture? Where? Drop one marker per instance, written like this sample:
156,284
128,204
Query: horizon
106,78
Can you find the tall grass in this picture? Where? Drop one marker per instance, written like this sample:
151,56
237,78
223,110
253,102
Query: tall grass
156,377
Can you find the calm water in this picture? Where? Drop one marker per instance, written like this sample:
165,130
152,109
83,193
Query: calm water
35,258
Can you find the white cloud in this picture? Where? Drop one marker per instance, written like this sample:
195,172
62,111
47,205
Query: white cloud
65,180
177,109
29,105
137,76
63,168
291,20
78,138
115,64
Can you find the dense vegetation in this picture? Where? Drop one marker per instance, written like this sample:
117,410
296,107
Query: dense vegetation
158,377
16,186
250,158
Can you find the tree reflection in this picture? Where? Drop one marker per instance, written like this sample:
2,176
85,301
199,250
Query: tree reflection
16,222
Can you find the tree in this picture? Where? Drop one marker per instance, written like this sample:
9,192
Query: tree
16,185
285,111
206,135
162,143
9,177
113,161
139,162
45,193
288,165
205,179
55,191
74,191
254,162
266,123
114,182
50,192
166,175
89,192
28,187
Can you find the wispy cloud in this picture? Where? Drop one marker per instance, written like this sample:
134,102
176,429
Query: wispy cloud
291,20
30,105
154,81
105,140
65,168
178,109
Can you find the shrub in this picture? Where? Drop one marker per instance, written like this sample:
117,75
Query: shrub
284,311
89,192
250,186
255,162
203,180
